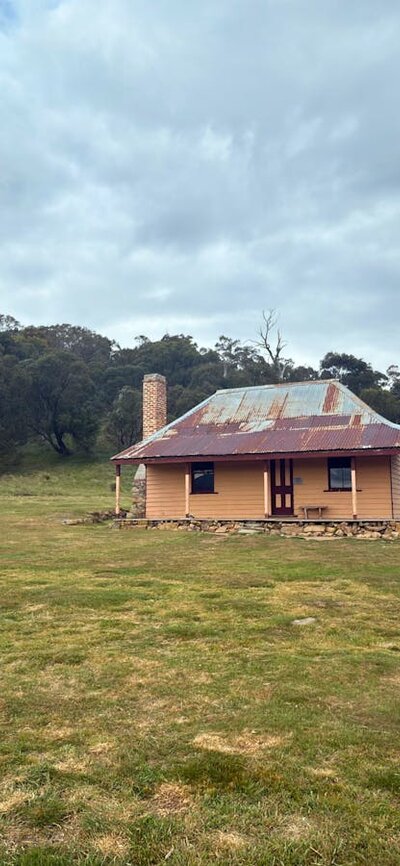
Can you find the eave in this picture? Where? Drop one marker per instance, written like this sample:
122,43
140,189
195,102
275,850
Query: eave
239,458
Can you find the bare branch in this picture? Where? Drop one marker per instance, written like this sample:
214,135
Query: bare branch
265,342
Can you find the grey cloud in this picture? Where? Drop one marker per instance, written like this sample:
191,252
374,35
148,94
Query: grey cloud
171,166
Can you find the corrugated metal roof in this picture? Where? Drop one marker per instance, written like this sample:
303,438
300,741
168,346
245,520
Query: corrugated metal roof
295,417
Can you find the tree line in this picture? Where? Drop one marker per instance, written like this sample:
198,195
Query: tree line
77,390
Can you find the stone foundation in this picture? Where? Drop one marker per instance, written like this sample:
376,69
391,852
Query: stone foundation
371,529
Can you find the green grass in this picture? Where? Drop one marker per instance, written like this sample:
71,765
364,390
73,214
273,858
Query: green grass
157,705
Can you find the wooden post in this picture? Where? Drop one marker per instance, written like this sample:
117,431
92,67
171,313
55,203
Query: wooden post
187,488
267,489
117,487
354,486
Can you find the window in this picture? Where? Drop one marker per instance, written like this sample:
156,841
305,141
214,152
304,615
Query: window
202,477
339,473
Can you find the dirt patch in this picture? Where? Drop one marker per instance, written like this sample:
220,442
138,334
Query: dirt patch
61,733
247,743
171,798
229,841
214,539
67,832
16,836
79,794
72,764
393,679
33,608
389,645
52,682
258,691
17,798
336,703
295,827
102,752
322,772
111,844
201,678
107,808
101,748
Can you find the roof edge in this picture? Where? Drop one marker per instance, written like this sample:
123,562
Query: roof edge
259,457
365,406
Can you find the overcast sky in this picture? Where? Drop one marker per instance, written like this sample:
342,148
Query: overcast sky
169,165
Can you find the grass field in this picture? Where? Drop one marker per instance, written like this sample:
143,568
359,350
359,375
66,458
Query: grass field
158,705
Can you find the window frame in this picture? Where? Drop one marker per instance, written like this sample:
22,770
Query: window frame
207,465
334,463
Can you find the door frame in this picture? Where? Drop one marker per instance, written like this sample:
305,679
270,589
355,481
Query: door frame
282,489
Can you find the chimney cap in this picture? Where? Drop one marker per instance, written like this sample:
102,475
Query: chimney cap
157,376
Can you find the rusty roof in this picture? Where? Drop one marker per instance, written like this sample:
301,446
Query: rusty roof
290,418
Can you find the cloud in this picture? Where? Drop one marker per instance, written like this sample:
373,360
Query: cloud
175,166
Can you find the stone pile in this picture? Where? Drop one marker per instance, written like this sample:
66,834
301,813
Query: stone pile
92,517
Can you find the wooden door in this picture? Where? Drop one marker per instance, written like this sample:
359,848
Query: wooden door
282,487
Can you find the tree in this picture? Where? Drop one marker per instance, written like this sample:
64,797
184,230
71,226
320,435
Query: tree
60,382
174,356
124,423
354,372
12,426
60,401
90,347
8,323
302,374
271,342
393,375
384,402
242,365
228,350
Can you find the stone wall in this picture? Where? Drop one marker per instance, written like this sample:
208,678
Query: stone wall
371,529
138,507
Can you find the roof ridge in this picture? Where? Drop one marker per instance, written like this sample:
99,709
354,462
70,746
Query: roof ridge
279,385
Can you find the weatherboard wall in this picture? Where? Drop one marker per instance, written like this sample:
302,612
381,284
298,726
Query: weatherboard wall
374,498
165,490
395,470
239,491
373,488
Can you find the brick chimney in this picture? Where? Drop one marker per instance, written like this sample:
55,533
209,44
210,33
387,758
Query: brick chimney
154,403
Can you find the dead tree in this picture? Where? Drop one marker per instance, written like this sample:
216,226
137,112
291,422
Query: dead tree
272,343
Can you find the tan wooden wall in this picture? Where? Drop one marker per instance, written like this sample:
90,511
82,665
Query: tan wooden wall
239,493
373,488
311,488
396,486
374,498
165,490
239,490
